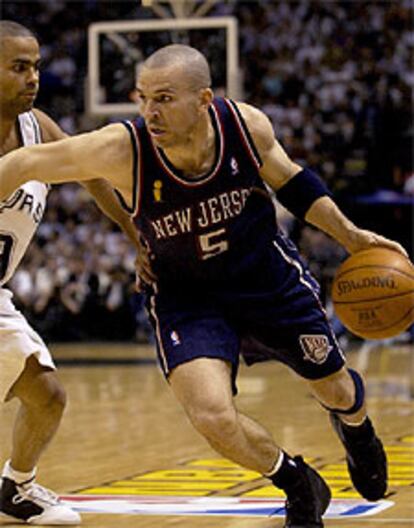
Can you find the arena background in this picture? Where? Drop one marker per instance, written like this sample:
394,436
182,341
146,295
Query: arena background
334,78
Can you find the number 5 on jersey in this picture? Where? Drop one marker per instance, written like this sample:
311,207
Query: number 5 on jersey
213,243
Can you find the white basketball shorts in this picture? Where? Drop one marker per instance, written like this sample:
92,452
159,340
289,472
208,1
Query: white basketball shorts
18,341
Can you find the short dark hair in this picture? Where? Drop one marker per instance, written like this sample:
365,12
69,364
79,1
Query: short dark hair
194,63
8,28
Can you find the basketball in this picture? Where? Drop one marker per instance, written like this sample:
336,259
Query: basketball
373,293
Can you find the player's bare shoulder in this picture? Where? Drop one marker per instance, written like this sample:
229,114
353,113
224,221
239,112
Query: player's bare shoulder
259,127
51,131
277,167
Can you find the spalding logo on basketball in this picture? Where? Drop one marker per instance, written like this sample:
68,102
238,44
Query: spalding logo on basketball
373,293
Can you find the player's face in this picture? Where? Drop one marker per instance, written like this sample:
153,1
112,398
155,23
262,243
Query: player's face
170,106
19,74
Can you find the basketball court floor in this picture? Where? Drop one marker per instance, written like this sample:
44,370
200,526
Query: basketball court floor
127,457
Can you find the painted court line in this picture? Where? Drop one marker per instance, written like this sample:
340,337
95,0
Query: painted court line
213,506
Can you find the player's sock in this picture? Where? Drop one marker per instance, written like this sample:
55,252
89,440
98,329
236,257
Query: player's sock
17,476
286,471
307,493
361,431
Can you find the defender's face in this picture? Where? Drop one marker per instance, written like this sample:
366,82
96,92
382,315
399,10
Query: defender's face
19,74
170,107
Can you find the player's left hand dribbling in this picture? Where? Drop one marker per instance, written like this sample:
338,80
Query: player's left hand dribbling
364,239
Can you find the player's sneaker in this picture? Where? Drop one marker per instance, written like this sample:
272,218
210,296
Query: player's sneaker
366,460
34,504
308,500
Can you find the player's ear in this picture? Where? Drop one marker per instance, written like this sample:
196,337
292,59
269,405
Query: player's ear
206,97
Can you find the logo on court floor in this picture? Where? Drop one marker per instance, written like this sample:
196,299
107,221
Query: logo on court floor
212,506
315,347
217,486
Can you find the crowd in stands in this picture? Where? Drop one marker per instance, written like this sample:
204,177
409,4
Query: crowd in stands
333,77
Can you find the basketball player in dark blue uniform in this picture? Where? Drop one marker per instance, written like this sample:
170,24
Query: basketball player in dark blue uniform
195,171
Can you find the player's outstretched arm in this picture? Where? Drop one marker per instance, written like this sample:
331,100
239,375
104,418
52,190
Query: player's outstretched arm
100,190
303,193
105,153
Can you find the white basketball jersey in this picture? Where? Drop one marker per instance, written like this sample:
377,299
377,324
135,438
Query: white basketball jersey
22,212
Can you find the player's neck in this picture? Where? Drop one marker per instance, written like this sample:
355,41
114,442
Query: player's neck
196,156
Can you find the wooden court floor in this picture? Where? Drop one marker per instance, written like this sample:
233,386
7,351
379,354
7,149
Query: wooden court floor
123,434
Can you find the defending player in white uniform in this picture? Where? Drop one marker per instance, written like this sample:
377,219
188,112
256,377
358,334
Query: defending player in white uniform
19,217
27,371
26,366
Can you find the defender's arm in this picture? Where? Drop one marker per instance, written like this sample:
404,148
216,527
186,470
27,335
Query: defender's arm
101,191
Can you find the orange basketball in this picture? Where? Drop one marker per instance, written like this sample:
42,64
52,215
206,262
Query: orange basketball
373,293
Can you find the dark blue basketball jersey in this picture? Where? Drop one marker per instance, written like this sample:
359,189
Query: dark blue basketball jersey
212,231
226,274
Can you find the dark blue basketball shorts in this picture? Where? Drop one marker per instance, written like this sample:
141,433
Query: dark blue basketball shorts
290,327
274,313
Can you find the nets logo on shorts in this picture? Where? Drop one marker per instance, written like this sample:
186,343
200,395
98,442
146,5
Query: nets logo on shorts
316,348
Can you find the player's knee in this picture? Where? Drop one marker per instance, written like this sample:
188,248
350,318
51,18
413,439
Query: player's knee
215,422
49,396
343,392
58,398
342,395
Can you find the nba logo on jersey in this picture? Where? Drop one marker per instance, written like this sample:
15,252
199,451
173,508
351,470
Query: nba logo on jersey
175,338
234,167
315,347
